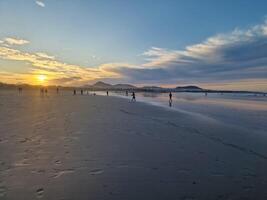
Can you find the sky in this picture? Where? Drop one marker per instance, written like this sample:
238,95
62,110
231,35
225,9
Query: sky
214,44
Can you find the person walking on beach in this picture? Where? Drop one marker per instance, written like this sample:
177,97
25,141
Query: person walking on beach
107,93
20,90
42,91
57,90
46,91
133,97
170,99
127,93
74,92
81,92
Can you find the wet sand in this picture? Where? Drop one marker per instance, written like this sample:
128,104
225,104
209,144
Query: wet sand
97,147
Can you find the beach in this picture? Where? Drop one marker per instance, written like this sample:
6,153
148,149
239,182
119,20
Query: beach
64,146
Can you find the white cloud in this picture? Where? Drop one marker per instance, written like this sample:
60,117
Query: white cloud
212,50
40,3
44,55
15,41
233,56
57,71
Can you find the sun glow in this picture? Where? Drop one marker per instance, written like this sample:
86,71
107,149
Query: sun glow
41,78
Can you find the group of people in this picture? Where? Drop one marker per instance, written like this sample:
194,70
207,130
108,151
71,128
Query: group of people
82,92
126,93
45,91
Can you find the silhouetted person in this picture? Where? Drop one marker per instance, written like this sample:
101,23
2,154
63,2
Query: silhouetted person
20,90
46,91
170,99
133,97
127,93
74,92
81,92
170,96
42,91
107,93
57,90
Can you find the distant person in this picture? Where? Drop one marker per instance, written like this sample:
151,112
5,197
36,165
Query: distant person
57,90
46,91
133,97
107,93
170,96
94,94
170,99
127,93
81,92
74,92
42,91
20,90
206,94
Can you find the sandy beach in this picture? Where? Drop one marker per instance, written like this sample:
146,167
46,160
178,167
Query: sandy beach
67,147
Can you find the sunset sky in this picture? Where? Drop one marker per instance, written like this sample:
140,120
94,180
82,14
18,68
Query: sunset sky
214,44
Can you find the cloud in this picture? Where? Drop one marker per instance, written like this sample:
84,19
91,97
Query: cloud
41,63
238,55
40,3
45,56
235,57
15,41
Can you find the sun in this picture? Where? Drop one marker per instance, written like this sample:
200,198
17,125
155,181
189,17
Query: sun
41,78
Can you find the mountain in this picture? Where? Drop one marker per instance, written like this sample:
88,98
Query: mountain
189,87
101,85
123,86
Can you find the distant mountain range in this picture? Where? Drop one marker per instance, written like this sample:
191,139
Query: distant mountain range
102,85
98,86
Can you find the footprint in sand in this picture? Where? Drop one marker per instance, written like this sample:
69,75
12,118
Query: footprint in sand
63,172
40,192
2,191
24,140
96,171
57,162
3,140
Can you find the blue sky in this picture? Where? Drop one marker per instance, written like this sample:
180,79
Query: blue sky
119,41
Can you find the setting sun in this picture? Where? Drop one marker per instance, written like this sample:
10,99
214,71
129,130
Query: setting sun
41,78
